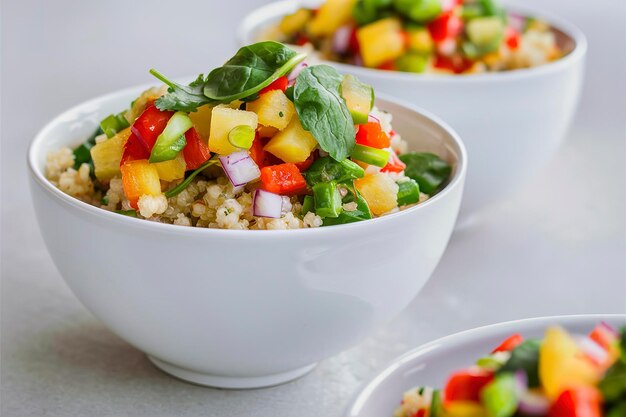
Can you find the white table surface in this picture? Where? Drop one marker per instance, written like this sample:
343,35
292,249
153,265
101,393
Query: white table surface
558,246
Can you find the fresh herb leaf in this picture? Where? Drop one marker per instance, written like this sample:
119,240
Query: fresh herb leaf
182,97
180,187
362,211
129,213
525,357
253,68
613,385
327,169
323,111
427,169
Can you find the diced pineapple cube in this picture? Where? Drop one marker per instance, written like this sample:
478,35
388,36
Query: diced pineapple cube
380,192
139,178
273,108
563,364
266,131
171,170
141,102
330,16
293,144
381,41
421,41
108,154
223,120
202,121
294,22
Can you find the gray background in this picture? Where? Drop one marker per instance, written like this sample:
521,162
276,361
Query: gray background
557,246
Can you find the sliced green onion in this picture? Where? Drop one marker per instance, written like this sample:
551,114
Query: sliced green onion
114,123
180,187
408,192
172,140
369,155
241,136
327,199
489,362
129,213
436,404
308,205
105,200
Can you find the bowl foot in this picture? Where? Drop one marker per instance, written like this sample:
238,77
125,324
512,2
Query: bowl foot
228,382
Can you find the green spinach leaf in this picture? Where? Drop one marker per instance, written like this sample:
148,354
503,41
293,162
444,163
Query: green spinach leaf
323,111
427,169
613,385
525,357
362,211
182,97
253,68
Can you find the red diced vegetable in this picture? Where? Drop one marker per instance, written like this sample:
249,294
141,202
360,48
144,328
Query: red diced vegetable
282,179
512,38
303,166
280,83
353,45
371,134
394,164
134,149
509,343
466,385
260,156
583,401
448,25
603,336
196,151
388,66
455,64
150,124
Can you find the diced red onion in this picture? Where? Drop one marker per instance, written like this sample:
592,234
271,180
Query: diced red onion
266,204
606,326
594,351
341,40
295,72
534,404
447,47
373,119
240,168
517,22
522,381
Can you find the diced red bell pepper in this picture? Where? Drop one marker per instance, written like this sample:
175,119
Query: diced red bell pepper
447,25
353,45
455,64
509,343
420,413
150,124
283,179
281,83
302,39
134,149
387,66
512,38
394,164
583,401
196,151
466,385
603,337
259,155
371,134
303,166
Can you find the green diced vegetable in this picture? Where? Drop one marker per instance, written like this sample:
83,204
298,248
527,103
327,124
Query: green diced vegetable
105,200
525,357
327,169
411,62
129,213
308,205
113,124
369,155
362,211
485,32
490,7
180,187
421,11
82,153
408,192
622,344
327,199
471,11
241,136
172,140
613,385
500,396
490,362
363,13
436,404
427,169
618,410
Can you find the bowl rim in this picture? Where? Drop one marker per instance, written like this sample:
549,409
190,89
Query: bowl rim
365,390
37,174
253,20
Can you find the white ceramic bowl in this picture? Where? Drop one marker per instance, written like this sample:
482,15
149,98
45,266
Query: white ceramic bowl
511,122
432,363
241,309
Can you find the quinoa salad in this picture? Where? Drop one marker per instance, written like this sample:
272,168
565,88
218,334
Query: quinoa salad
263,142
561,375
431,36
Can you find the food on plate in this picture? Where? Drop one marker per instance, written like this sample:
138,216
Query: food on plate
448,36
561,375
262,142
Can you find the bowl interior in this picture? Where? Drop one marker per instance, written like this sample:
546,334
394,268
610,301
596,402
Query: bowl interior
430,364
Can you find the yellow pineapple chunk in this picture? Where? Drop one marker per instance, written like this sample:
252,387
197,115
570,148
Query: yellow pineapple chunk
330,16
173,169
294,22
202,121
293,144
381,41
273,108
223,120
421,41
108,154
562,364
380,192
465,409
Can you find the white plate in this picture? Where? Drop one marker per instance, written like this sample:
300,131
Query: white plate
430,364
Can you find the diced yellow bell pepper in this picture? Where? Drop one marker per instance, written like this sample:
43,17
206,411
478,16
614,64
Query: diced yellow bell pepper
108,154
330,16
223,120
273,109
293,144
381,41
